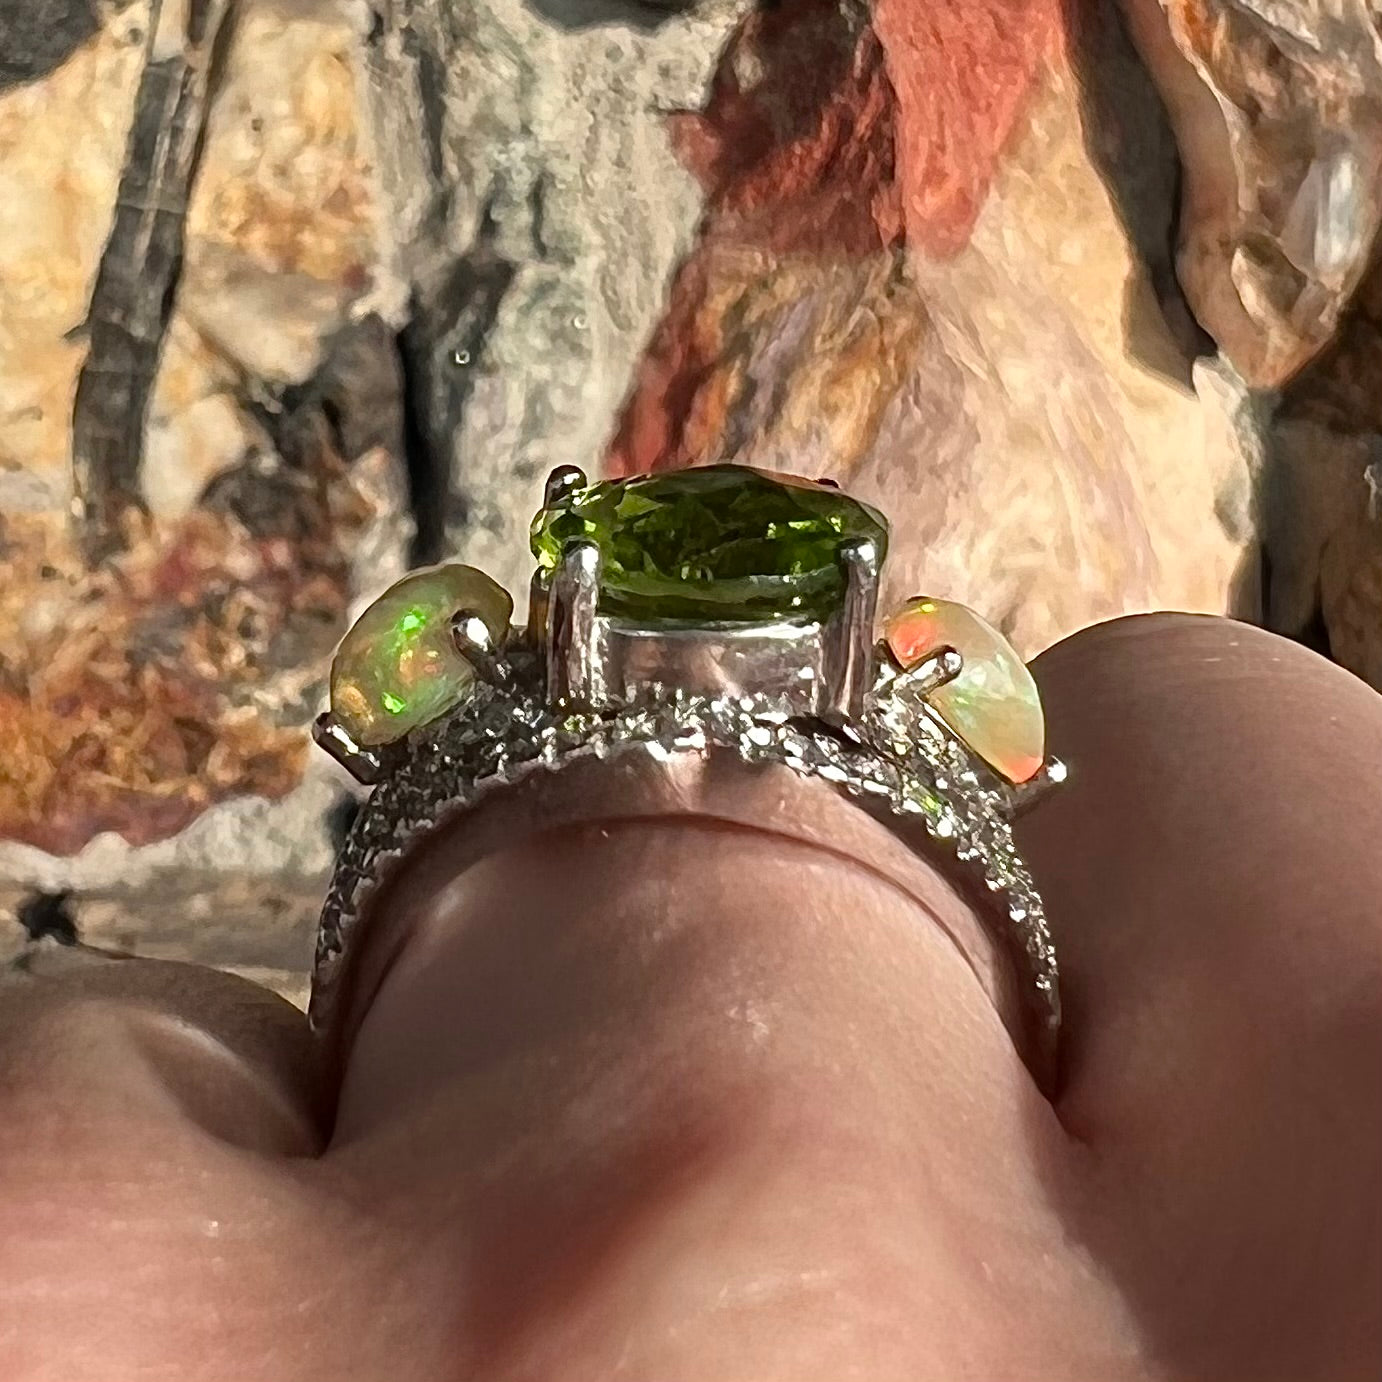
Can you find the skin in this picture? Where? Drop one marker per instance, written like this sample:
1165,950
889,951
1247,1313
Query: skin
699,1073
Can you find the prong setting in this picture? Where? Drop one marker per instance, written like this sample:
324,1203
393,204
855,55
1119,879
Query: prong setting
364,765
562,481
539,589
850,656
572,643
471,635
934,671
1023,796
992,704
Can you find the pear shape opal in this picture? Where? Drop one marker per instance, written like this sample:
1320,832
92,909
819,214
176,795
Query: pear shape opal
993,705
398,667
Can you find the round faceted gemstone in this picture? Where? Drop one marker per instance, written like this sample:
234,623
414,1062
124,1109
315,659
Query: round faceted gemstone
993,704
398,667
718,543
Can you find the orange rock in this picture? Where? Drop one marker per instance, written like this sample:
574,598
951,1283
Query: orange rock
963,74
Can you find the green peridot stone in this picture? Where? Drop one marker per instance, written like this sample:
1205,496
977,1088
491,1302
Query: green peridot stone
717,543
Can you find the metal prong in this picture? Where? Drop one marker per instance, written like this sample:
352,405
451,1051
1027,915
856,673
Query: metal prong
573,661
538,589
1022,796
561,482
934,670
363,764
851,654
471,636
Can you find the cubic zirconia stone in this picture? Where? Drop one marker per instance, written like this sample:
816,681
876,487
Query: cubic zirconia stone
714,543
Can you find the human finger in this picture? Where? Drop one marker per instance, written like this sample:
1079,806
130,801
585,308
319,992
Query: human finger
1220,933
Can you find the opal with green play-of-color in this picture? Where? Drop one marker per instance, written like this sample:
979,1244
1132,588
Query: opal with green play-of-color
399,666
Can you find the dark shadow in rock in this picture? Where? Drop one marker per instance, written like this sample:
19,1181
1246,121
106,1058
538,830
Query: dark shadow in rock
592,14
1338,388
48,916
352,404
1315,635
441,351
267,498
1247,586
38,35
1312,634
136,280
1130,142
356,393
431,91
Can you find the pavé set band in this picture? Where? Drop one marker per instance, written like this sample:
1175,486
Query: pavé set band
714,609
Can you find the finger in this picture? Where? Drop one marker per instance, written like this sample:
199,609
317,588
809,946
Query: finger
1220,934
663,1090
153,1043
149,1114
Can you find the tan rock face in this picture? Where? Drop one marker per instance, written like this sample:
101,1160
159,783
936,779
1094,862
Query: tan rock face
259,444
1278,111
283,224
1098,478
62,145
179,671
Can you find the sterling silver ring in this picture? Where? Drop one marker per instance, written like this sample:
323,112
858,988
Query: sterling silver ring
720,609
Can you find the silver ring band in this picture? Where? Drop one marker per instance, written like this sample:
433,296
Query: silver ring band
893,758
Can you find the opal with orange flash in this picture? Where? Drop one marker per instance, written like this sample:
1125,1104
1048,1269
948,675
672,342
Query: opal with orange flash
993,704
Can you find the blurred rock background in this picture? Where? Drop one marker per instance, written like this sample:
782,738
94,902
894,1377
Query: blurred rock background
294,293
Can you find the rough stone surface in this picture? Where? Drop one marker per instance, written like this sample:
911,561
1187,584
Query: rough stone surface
40,35
539,210
1323,527
1279,109
963,362
227,403
260,928
376,207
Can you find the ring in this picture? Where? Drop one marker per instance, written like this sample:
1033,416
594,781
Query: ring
718,609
